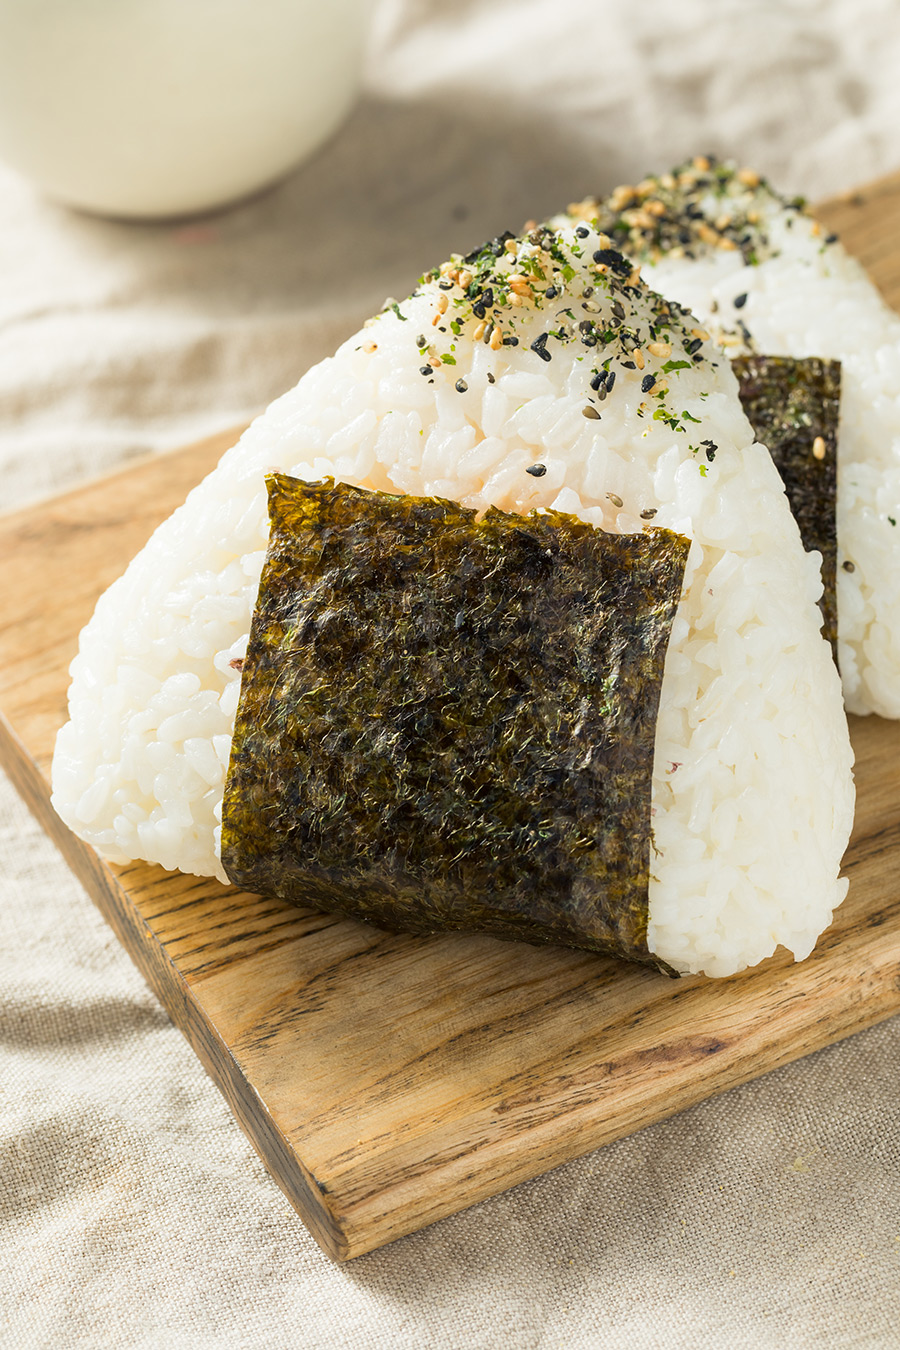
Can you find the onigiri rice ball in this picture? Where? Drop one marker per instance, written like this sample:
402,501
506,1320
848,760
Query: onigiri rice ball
764,276
538,371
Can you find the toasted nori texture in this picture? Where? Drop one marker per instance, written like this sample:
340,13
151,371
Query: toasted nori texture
789,402
448,723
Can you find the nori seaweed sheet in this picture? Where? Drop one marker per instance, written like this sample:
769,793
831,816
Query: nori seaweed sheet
448,723
789,403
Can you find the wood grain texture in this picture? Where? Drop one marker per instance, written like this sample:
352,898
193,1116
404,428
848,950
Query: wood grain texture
389,1081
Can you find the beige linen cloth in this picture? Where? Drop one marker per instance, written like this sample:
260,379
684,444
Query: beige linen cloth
134,1212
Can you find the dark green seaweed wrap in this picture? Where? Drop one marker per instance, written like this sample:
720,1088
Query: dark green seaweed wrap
793,407
448,723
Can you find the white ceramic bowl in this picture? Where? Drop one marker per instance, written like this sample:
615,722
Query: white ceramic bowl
155,108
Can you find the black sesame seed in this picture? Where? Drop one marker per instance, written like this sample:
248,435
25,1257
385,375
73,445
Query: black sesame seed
649,513
610,379
647,383
537,470
490,378
614,498
831,239
629,365
740,300
598,380
514,342
693,346
849,566
421,341
446,285
551,293
479,310
540,346
487,297
461,386
424,370
592,414
581,232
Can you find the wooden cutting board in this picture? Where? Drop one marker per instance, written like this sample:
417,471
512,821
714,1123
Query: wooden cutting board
388,1081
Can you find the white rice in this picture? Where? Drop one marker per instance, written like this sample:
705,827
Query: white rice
752,786
808,297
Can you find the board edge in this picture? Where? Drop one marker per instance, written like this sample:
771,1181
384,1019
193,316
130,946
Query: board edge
102,886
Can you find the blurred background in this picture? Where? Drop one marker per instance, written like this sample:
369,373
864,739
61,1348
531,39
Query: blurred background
118,337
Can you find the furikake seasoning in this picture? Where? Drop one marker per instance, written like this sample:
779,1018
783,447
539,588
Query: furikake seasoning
548,290
793,406
703,205
448,722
